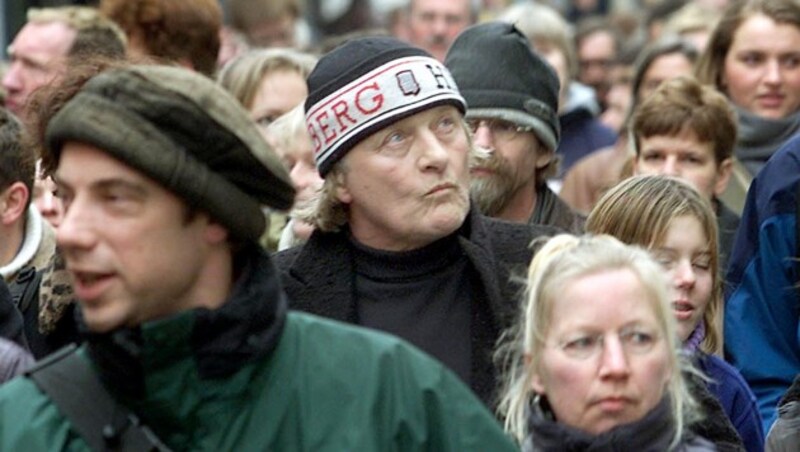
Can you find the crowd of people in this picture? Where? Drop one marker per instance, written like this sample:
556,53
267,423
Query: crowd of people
408,225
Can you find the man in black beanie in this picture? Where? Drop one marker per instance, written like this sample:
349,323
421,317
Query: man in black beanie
189,345
512,105
397,246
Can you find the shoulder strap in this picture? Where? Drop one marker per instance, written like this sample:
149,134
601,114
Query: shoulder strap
101,421
25,287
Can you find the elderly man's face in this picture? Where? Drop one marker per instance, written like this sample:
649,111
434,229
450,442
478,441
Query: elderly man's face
38,55
407,185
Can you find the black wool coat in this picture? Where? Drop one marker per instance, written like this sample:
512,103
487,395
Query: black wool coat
318,278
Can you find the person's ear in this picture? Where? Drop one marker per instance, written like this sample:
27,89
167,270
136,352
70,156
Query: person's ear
544,157
215,233
342,192
724,170
13,203
537,382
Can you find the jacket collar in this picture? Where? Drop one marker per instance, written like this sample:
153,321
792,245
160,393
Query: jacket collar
220,341
327,289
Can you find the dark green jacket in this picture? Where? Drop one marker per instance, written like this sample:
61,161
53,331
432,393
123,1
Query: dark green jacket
212,380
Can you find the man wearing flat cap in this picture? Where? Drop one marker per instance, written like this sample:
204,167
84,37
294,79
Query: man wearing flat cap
189,345
512,105
397,246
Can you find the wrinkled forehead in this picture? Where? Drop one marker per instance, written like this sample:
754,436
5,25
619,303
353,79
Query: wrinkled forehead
442,7
44,41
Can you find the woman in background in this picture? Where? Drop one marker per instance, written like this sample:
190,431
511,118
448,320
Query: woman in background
753,57
269,83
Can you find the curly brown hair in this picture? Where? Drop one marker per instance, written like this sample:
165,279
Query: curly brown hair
186,30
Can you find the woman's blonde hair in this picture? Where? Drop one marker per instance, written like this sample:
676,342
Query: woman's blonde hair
242,76
561,261
639,211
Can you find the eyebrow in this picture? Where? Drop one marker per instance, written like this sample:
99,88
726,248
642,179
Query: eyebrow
106,184
674,251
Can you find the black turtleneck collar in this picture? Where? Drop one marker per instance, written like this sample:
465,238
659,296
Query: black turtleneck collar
384,265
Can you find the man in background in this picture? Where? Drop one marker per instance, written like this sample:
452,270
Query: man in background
512,109
40,51
434,24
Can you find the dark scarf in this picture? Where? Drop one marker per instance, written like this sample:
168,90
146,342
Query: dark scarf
552,211
758,138
245,328
651,433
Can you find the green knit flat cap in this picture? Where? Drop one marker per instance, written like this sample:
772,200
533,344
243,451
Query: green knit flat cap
185,132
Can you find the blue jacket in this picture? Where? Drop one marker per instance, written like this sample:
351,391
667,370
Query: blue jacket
736,398
581,132
762,338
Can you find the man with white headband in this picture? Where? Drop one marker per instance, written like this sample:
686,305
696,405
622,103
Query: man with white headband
397,246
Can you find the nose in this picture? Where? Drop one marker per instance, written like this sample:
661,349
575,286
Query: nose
773,74
298,176
75,231
12,80
671,166
440,26
483,137
614,362
435,154
683,274
49,204
305,177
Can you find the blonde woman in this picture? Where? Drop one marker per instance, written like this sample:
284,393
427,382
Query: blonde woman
596,365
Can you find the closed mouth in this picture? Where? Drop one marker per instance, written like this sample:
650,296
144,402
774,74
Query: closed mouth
481,170
440,188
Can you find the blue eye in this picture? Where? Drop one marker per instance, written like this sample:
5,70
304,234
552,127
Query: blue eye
637,341
394,140
395,143
637,337
581,344
446,125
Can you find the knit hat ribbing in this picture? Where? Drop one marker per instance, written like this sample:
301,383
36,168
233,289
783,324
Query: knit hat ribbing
501,77
364,86
185,132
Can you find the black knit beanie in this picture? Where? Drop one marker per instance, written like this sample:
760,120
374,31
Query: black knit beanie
185,132
367,84
501,77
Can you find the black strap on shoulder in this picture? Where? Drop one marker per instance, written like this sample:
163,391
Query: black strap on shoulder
101,421
25,287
